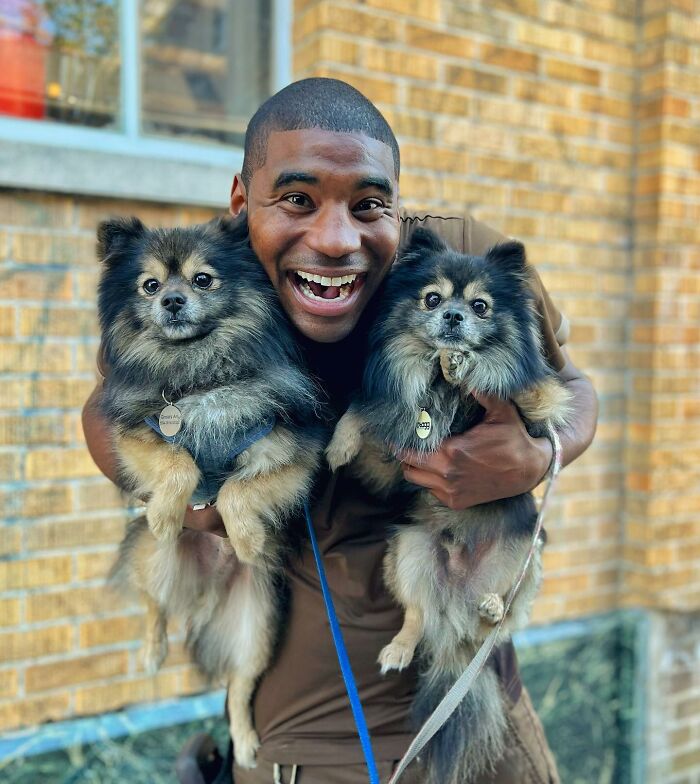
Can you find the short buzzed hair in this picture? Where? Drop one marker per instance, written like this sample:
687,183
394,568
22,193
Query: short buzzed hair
328,104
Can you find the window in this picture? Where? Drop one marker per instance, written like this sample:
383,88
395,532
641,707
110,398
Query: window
166,79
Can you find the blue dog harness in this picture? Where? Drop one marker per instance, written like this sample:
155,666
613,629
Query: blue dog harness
215,461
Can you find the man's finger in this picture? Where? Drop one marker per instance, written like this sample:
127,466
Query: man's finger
426,479
497,409
434,462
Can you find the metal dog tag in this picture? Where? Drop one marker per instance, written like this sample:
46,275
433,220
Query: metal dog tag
424,424
170,420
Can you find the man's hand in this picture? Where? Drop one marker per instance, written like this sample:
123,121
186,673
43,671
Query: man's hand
495,459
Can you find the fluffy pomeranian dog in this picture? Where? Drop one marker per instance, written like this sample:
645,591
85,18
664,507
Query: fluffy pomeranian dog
190,322
450,325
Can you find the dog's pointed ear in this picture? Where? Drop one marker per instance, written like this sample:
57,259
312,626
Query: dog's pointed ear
114,233
234,227
509,256
425,240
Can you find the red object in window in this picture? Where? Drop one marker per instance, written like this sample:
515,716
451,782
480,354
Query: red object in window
22,75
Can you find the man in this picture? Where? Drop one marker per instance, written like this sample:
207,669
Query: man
319,185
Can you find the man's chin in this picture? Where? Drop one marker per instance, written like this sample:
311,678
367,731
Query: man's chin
324,329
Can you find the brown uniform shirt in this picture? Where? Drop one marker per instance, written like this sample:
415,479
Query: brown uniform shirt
302,712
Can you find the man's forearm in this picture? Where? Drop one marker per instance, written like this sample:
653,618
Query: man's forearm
99,438
578,434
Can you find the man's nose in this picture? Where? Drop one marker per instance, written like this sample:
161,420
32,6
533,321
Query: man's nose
333,233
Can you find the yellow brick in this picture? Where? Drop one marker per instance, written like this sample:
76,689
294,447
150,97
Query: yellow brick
475,79
74,533
377,90
8,683
75,671
400,63
33,357
34,572
90,566
409,125
10,463
72,603
98,699
30,645
419,186
509,58
428,157
545,92
570,72
60,464
459,191
97,495
44,429
439,41
36,501
438,101
12,394
9,612
600,104
327,47
58,322
60,392
422,9
545,37
111,630
52,249
91,211
7,320
505,169
329,15
30,208
26,713
34,285
10,539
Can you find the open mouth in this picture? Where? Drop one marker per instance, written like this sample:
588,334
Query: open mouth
325,294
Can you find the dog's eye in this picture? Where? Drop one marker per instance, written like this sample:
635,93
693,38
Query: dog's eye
480,307
202,281
151,285
432,300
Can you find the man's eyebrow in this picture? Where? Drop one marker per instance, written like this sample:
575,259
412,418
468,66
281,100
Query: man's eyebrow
382,184
288,177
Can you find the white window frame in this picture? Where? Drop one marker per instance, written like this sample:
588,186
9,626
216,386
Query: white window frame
54,156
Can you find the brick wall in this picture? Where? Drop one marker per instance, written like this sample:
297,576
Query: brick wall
67,646
571,125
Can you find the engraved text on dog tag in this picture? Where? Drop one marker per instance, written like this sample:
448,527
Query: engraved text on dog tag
424,424
170,420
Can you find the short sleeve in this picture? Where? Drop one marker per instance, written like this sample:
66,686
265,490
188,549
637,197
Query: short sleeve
467,235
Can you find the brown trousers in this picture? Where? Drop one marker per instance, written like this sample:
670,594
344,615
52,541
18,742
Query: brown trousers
527,760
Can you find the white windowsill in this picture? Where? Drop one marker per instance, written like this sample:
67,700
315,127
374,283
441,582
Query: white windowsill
101,163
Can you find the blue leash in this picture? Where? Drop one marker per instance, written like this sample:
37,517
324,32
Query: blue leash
343,659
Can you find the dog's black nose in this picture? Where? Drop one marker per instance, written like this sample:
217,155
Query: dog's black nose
173,302
453,316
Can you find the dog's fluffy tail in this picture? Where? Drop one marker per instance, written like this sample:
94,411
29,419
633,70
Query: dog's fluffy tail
472,740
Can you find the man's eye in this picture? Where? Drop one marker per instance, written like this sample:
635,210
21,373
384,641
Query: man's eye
151,285
298,200
202,280
368,205
432,300
480,307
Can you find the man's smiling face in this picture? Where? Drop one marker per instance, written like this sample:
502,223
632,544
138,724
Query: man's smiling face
323,220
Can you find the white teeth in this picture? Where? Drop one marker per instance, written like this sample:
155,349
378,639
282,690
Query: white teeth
324,281
342,294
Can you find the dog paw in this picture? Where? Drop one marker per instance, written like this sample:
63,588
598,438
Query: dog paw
245,747
153,654
454,366
164,521
249,545
396,655
491,608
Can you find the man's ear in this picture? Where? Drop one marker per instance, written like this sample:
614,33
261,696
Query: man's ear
239,196
114,233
